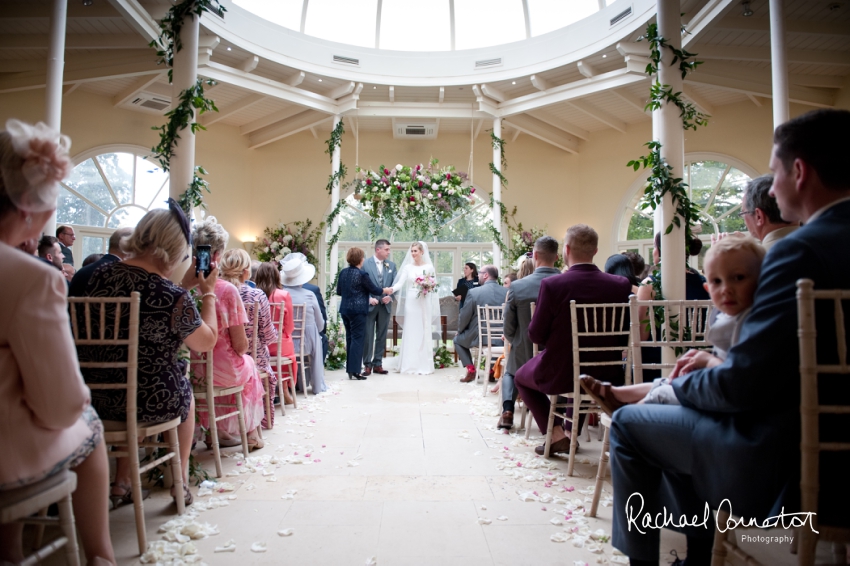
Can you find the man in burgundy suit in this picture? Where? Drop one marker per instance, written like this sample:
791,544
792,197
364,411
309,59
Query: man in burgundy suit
551,371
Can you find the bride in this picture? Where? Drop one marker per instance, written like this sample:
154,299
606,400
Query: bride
418,316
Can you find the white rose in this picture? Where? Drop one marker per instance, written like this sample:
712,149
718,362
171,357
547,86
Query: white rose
420,178
376,176
287,238
444,184
451,191
275,245
278,257
399,167
266,249
434,186
285,251
396,183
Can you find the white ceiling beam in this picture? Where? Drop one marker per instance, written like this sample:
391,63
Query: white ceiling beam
11,41
138,17
738,53
68,89
270,119
587,69
250,64
701,105
478,128
85,71
392,94
556,122
517,132
210,118
352,125
705,18
631,101
540,83
138,86
268,87
291,126
817,81
380,109
599,115
738,23
544,132
342,90
493,92
442,94
313,131
755,100
570,91
798,94
296,78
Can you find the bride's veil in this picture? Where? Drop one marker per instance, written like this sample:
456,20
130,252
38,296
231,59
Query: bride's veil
407,292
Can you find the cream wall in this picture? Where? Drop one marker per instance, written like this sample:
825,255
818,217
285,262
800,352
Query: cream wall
285,181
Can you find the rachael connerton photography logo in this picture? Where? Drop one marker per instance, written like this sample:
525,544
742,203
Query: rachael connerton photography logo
635,517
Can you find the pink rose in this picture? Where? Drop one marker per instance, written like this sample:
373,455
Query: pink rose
412,199
369,182
472,191
439,195
420,183
386,171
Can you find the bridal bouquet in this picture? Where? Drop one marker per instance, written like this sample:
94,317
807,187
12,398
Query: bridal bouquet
425,284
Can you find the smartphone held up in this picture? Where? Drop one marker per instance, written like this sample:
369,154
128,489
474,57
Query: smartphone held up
203,260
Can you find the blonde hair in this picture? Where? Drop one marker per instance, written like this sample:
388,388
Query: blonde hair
159,235
583,240
417,245
208,232
526,268
737,242
233,264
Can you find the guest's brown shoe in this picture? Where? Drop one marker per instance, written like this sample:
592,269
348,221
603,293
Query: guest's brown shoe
600,392
366,372
562,445
470,376
507,420
380,370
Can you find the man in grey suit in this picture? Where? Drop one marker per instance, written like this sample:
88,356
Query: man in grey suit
382,272
489,293
521,294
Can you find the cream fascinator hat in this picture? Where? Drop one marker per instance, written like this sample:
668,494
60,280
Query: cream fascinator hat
294,270
31,176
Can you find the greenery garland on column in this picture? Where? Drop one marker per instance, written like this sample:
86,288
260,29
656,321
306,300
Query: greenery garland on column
499,144
334,142
191,99
661,181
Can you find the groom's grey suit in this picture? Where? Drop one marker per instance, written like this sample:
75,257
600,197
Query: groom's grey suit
378,319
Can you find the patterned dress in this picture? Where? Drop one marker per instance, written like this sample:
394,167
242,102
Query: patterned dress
167,316
268,335
229,368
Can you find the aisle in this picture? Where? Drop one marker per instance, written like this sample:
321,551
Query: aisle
402,468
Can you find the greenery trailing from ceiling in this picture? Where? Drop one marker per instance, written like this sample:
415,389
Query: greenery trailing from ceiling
334,142
190,100
499,145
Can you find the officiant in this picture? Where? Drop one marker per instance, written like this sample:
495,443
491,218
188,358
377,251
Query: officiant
382,272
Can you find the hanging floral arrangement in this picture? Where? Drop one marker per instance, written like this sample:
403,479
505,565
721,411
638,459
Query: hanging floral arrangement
280,241
417,198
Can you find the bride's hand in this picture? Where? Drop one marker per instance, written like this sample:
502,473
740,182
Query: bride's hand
388,290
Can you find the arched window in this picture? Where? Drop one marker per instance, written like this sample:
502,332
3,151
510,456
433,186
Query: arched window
108,190
715,184
463,239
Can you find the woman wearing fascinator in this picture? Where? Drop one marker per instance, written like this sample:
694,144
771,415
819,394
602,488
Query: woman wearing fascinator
418,310
47,423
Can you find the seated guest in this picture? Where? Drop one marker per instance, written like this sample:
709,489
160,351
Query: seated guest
508,279
551,372
354,286
732,267
761,214
232,365
489,293
49,251
253,277
619,264
114,253
323,333
518,316
65,236
641,270
268,281
91,258
236,268
747,409
168,318
47,423
68,271
295,273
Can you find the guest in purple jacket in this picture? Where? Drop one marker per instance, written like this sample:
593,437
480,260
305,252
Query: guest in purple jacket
551,371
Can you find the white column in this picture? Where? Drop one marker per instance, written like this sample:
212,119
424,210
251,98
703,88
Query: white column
55,71
671,134
185,74
778,64
497,192
335,159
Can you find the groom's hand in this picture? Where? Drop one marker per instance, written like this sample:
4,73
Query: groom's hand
373,301
386,299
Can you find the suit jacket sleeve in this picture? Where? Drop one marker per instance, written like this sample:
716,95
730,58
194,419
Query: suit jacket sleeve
755,375
541,323
510,316
369,286
53,387
467,313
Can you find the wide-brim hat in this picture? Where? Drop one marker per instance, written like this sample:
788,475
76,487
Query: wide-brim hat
294,270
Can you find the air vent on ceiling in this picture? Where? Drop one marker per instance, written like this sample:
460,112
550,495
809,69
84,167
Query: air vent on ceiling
147,102
415,130
487,63
621,16
346,60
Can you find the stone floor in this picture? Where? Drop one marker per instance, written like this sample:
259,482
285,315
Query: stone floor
396,470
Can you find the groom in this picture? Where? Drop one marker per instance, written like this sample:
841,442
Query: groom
382,272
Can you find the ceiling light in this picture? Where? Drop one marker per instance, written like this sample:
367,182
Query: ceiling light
513,82
604,56
747,12
88,2
374,87
320,80
229,49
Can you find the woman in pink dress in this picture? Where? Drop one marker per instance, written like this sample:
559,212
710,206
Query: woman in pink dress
268,281
232,365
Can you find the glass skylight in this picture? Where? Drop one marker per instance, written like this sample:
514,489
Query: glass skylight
400,20
549,15
482,23
344,21
286,13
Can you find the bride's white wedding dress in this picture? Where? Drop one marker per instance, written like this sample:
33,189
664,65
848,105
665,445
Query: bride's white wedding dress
417,342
